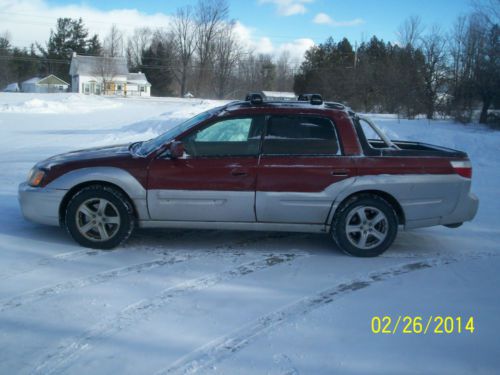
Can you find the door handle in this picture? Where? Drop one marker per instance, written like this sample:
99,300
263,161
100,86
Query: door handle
340,172
239,173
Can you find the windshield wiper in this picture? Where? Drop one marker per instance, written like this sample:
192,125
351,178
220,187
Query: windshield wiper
133,147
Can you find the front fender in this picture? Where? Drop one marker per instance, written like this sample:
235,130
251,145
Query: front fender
116,176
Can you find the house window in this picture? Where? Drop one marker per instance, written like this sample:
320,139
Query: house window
86,88
61,87
142,88
118,87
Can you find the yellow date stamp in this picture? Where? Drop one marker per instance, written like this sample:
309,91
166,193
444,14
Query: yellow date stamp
419,325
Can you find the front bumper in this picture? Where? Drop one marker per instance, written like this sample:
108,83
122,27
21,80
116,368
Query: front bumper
40,205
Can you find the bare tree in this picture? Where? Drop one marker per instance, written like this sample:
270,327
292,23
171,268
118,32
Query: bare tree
106,69
113,43
434,48
210,15
409,31
227,53
489,9
284,72
184,30
136,44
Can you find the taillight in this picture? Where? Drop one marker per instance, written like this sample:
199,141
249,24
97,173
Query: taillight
462,168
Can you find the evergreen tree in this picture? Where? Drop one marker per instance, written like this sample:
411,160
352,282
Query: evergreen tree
5,55
24,64
94,47
70,36
157,64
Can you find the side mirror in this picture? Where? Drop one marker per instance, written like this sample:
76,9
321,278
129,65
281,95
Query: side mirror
176,150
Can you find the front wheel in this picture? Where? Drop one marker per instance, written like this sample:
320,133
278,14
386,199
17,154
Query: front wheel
99,217
365,226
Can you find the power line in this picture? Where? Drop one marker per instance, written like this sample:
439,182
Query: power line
136,26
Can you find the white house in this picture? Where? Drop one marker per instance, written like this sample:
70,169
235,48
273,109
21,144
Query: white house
51,83
106,76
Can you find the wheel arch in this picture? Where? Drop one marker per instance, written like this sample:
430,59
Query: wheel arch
75,189
382,194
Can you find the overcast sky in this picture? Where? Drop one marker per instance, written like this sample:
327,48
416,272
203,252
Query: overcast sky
266,25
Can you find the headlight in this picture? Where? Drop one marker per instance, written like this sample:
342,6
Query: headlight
35,177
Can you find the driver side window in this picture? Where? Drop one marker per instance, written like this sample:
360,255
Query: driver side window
230,137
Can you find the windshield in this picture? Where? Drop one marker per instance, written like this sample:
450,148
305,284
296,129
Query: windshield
147,147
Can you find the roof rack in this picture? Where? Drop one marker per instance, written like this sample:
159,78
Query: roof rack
314,99
254,98
334,105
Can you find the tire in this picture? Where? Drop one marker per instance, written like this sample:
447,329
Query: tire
99,217
365,225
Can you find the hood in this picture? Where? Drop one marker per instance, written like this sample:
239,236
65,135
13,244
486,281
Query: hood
107,152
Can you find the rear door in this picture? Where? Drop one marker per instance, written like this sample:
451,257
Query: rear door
216,179
301,170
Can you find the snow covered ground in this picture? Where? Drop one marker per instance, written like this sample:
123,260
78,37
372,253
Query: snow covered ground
186,301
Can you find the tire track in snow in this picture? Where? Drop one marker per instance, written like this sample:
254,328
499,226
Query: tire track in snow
98,278
78,254
225,346
67,352
167,258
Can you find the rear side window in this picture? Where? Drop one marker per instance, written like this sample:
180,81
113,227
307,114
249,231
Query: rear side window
300,135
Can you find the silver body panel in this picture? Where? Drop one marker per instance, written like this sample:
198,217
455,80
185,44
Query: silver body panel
426,200
218,225
201,205
40,205
305,208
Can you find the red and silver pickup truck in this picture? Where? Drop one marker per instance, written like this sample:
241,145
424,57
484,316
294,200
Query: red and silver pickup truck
302,166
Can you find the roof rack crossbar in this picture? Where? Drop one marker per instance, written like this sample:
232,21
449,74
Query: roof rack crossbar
314,99
254,98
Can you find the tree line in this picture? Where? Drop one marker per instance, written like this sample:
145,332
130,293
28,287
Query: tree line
428,71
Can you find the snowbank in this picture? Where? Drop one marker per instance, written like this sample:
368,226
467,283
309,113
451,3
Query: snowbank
56,103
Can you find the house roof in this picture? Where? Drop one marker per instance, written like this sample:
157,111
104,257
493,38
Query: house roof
137,78
49,80
52,80
12,87
89,65
31,80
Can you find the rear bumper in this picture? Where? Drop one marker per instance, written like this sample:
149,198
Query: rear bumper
465,210
40,205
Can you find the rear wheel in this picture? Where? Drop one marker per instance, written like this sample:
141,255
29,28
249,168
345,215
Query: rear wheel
365,226
99,217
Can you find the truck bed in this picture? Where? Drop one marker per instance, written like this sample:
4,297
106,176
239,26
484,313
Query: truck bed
408,148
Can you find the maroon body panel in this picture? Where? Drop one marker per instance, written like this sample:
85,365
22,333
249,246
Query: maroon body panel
302,174
374,165
116,157
216,173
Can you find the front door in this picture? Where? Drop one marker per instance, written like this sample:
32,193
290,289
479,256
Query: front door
301,170
215,180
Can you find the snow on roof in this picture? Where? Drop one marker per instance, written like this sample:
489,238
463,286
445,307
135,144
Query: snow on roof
89,65
13,87
279,94
137,78
31,80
